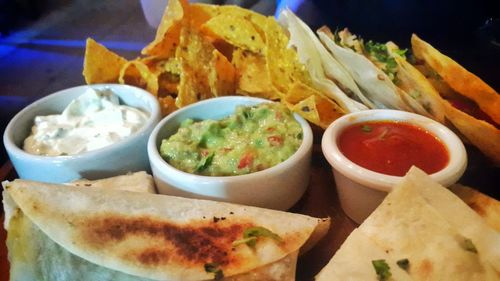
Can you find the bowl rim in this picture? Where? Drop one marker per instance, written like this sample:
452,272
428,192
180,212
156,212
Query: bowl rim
154,154
12,148
383,182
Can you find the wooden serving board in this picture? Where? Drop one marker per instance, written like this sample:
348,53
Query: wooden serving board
320,200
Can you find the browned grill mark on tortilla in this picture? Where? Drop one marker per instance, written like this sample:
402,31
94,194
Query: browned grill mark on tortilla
152,256
480,209
197,242
425,268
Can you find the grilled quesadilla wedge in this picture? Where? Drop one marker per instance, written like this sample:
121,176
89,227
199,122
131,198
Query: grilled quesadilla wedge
410,80
458,78
485,206
470,104
421,231
120,235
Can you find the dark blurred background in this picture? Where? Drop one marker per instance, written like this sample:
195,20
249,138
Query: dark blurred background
466,30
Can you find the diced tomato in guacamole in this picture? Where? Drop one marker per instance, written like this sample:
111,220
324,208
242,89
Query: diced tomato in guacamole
250,140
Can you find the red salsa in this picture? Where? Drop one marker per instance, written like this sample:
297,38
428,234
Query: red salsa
391,148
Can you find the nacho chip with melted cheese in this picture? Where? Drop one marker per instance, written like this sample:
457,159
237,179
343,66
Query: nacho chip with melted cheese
421,231
56,232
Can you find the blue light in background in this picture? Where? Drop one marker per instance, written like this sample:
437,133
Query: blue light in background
8,45
290,4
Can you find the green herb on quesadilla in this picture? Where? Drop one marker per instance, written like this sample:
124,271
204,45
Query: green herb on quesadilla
251,234
404,264
214,268
382,269
469,246
379,52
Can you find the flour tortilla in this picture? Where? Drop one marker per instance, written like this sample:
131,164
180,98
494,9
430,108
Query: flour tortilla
486,207
138,182
451,80
147,236
458,78
427,224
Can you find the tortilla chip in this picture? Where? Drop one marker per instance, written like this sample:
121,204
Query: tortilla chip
195,54
283,65
158,65
167,105
458,78
168,84
166,71
312,105
136,73
238,31
200,13
168,32
258,20
487,207
252,78
481,134
222,75
100,65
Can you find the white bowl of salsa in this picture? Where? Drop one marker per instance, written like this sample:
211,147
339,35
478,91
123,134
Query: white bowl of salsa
276,187
370,151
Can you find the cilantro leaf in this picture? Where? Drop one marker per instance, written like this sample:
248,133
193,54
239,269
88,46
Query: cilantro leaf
382,269
251,234
214,268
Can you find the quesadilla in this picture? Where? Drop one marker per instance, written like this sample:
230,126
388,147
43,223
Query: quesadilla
383,69
421,231
138,182
56,232
485,206
470,104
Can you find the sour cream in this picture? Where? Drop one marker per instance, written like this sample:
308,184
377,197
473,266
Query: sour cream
92,121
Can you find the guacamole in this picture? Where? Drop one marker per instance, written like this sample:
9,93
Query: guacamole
252,139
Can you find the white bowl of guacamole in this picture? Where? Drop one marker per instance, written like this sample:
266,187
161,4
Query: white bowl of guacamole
236,149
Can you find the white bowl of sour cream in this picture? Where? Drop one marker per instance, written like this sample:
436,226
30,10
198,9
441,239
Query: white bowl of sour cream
89,131
275,187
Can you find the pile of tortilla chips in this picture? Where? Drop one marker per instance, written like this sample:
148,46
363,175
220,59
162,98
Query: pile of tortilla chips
203,51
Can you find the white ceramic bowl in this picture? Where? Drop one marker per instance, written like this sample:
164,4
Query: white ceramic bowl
361,190
126,155
278,187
